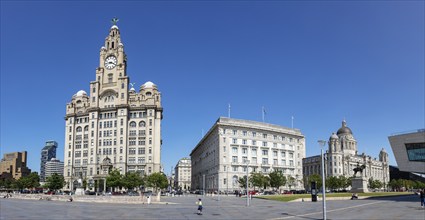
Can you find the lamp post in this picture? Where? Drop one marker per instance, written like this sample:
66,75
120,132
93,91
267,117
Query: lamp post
247,193
322,143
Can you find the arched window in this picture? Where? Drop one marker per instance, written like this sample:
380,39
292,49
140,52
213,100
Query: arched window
79,129
148,94
132,124
86,128
142,124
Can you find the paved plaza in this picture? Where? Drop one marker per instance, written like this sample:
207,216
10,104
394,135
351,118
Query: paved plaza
400,207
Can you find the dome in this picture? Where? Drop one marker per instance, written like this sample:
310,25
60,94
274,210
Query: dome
81,93
344,129
132,89
334,136
148,84
114,27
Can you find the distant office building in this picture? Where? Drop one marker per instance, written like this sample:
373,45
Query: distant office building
232,145
183,174
409,150
47,153
342,157
14,165
54,166
113,126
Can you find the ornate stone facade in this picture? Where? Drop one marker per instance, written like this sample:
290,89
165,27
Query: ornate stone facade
342,157
113,122
221,157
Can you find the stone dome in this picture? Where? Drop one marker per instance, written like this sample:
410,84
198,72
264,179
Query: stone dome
344,129
81,93
148,85
114,27
334,136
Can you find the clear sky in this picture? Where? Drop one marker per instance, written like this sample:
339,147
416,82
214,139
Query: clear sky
319,61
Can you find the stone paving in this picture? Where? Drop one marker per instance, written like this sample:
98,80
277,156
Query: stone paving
224,207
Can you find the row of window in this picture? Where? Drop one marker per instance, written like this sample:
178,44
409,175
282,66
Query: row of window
264,135
265,161
264,152
263,143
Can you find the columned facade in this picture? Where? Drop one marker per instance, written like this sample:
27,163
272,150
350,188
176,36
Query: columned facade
112,122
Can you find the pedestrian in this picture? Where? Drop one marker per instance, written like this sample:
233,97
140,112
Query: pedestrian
199,203
422,196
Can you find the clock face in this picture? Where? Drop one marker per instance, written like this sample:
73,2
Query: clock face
110,62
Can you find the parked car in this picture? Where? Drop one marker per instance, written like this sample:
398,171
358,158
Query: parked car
133,194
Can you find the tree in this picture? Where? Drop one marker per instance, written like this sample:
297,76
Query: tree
332,182
158,181
242,182
55,182
132,180
277,179
257,180
114,179
314,178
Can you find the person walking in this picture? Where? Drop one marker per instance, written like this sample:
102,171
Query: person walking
199,203
422,196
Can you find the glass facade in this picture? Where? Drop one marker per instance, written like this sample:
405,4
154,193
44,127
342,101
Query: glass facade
416,151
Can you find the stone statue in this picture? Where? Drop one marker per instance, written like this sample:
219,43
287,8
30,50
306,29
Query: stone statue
359,168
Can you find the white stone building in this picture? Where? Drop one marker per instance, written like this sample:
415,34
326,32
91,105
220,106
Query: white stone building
342,157
112,127
221,157
183,174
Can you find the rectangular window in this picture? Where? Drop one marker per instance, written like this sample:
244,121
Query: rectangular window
283,162
265,152
235,150
254,151
265,161
254,133
244,151
235,169
274,153
132,151
282,154
244,133
244,159
264,144
254,160
274,161
243,141
142,150
264,135
235,132
415,151
235,141
234,159
141,160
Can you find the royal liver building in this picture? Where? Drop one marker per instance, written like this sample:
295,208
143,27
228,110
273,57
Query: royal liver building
342,157
112,127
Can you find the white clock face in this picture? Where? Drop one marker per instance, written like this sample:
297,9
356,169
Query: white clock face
110,62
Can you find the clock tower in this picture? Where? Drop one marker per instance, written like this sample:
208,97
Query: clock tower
113,125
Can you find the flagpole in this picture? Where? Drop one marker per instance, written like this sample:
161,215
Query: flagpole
292,123
263,114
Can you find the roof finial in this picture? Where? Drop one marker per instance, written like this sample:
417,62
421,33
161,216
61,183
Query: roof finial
114,21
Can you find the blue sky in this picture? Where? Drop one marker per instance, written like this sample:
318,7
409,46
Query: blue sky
319,61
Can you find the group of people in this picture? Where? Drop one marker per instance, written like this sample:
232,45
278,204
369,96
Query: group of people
8,195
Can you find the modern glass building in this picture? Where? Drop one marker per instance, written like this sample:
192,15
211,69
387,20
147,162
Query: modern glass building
409,150
47,153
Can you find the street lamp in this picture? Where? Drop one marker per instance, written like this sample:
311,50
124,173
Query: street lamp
322,143
247,193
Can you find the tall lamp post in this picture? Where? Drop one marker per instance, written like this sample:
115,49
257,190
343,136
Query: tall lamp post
247,193
322,143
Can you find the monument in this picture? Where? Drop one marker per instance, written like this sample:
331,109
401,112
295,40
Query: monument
80,190
359,183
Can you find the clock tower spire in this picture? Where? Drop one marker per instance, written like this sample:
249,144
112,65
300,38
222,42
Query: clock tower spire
111,75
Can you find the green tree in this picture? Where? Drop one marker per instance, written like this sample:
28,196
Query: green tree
114,179
313,178
257,180
332,182
55,182
157,181
132,180
277,179
242,182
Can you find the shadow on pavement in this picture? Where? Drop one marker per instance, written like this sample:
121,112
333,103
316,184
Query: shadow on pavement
398,198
